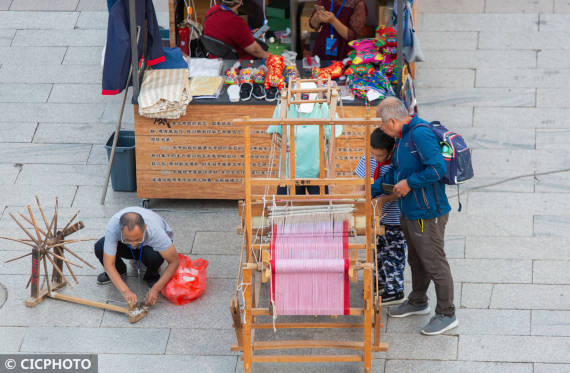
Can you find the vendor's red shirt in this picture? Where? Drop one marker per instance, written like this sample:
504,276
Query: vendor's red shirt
226,26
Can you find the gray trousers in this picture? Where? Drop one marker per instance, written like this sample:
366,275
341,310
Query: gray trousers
428,262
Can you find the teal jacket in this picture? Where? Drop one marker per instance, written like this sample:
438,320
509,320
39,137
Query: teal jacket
427,198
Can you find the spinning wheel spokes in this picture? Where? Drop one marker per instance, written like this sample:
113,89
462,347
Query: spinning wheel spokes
48,244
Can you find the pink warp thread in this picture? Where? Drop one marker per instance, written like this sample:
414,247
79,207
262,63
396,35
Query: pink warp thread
309,268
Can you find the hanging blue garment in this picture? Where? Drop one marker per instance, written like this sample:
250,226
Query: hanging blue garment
118,48
408,40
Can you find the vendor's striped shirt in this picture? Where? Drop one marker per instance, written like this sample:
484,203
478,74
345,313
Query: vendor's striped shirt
391,210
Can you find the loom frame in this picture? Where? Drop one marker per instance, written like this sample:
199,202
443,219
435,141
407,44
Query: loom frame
252,272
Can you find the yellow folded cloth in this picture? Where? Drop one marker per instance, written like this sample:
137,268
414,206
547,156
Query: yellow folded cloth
205,85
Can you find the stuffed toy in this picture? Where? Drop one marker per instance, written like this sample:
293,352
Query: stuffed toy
366,51
290,72
274,77
335,71
246,75
231,76
259,74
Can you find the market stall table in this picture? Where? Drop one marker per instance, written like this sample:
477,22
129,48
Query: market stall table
200,155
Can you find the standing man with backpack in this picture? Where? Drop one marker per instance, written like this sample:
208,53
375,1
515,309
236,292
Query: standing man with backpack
418,168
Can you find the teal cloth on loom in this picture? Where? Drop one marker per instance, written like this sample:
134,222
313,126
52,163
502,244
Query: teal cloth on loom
306,139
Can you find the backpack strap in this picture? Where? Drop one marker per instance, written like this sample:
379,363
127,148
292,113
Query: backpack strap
422,124
414,147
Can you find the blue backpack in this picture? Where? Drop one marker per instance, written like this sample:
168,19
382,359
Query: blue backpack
456,153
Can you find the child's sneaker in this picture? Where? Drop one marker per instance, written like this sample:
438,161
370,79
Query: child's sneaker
407,309
388,299
440,323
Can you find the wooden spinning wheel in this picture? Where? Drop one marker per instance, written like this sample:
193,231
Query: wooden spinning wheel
51,245
48,245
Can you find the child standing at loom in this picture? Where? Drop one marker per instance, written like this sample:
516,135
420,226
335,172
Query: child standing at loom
391,247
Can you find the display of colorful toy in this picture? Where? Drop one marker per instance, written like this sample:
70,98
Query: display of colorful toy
259,74
335,70
246,75
290,72
274,78
231,77
366,51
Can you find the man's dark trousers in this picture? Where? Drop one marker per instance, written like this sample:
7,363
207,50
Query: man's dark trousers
150,258
427,260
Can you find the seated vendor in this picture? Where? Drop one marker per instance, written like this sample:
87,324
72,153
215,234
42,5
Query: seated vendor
338,23
223,23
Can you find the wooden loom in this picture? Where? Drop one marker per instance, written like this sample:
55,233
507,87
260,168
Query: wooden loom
256,269
50,245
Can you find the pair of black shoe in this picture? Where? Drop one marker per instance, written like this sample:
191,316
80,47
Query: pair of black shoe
257,91
150,278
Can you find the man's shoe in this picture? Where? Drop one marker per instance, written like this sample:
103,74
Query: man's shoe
103,278
440,323
151,278
406,309
397,298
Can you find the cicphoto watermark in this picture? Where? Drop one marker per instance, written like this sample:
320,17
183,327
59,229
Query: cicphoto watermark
48,363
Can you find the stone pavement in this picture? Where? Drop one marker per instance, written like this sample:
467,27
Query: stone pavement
498,71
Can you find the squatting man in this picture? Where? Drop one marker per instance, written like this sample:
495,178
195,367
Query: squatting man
141,235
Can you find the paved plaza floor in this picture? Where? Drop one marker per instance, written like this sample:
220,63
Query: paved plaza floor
497,71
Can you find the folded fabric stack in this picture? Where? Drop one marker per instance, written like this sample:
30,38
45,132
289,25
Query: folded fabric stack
164,93
206,86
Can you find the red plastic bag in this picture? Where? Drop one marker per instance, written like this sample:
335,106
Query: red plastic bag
189,281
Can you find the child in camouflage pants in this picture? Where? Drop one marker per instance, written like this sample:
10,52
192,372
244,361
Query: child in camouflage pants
391,247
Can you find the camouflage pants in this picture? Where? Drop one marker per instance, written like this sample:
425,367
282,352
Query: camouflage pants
391,249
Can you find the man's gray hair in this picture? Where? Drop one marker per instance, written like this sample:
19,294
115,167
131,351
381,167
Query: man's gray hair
392,108
130,220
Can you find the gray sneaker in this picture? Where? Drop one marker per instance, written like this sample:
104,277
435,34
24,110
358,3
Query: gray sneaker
406,309
440,323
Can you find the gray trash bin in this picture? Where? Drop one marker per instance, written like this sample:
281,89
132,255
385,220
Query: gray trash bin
123,172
